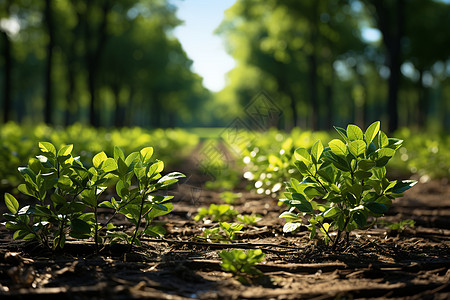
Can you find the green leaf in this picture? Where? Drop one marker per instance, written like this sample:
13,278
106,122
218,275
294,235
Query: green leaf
316,151
311,191
26,190
155,168
65,151
158,212
331,212
98,159
122,166
301,166
402,186
118,153
140,172
288,215
11,203
46,147
327,173
27,171
372,131
302,154
291,227
338,161
170,179
132,159
360,218
382,140
366,164
385,152
146,154
394,143
371,149
122,188
338,147
155,230
109,165
23,235
57,199
80,226
106,204
302,205
342,132
376,208
354,133
357,148
362,175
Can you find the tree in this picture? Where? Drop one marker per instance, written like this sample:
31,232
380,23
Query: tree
389,18
7,62
48,93
294,47
427,21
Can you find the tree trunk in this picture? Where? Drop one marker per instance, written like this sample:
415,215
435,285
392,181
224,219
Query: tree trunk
93,59
7,77
329,99
48,93
156,122
119,114
312,64
70,96
390,22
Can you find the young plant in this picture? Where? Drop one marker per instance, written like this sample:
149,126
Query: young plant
67,195
139,203
343,184
231,229
229,197
242,264
226,232
216,213
212,235
61,178
249,219
398,226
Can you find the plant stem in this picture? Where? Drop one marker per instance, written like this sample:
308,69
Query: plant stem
338,237
138,223
326,232
318,181
63,223
96,227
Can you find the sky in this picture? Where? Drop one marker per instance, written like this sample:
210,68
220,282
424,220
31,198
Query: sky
207,50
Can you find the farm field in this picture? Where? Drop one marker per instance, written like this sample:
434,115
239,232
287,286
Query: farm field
380,262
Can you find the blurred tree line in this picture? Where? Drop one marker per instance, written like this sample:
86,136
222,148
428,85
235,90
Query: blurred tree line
317,62
117,63
101,62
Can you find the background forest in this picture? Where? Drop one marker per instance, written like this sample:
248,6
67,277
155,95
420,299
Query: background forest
322,62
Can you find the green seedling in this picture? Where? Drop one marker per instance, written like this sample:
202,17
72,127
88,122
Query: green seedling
231,229
229,197
398,226
249,219
242,264
226,232
349,179
216,213
67,196
212,235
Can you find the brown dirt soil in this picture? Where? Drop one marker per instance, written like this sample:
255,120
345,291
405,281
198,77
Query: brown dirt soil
413,264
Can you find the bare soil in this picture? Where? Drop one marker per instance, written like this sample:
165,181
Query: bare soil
413,264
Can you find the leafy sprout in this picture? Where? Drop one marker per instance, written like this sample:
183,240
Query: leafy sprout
74,191
349,179
242,264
